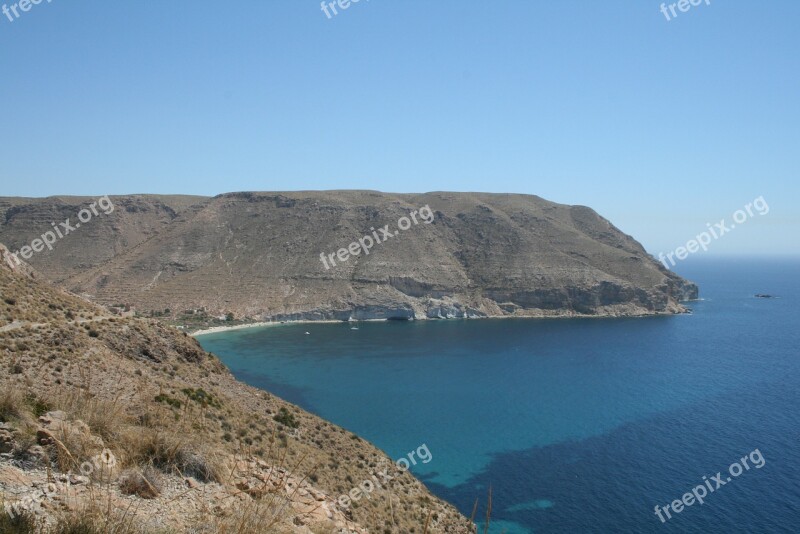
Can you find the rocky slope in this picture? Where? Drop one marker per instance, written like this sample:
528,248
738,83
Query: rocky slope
118,424
258,256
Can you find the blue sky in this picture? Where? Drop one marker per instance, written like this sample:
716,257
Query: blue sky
662,126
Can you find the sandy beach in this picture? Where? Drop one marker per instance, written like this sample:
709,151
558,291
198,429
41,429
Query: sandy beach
217,329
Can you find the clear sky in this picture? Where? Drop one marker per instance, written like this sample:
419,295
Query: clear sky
662,126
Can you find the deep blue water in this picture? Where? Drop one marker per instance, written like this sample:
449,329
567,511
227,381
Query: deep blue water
578,425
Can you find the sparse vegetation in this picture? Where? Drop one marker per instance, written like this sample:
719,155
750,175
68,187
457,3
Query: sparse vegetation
175,421
18,523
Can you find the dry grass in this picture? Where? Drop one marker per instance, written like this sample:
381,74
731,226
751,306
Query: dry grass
104,417
153,440
18,523
256,517
171,453
12,405
99,516
268,509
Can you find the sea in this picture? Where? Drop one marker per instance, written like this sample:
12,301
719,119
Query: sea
573,425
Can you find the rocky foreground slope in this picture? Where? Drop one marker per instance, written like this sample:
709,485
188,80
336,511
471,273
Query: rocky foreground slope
123,425
264,256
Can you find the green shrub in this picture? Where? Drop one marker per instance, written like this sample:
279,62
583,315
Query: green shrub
166,399
202,397
285,418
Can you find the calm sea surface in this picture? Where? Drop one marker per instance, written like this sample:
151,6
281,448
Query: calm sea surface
577,425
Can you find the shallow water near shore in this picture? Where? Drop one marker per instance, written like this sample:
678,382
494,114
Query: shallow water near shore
578,425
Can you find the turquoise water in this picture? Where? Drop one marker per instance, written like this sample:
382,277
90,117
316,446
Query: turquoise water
577,425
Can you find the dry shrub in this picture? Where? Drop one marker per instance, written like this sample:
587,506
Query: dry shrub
169,453
145,483
71,443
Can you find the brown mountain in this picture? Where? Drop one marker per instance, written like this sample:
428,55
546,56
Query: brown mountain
279,255
112,424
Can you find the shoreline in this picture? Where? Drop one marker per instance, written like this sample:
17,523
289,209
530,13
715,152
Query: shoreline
259,324
218,329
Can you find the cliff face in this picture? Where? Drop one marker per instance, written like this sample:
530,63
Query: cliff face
112,424
280,256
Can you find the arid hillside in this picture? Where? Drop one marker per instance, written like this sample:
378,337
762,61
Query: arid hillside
278,256
123,425
133,220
